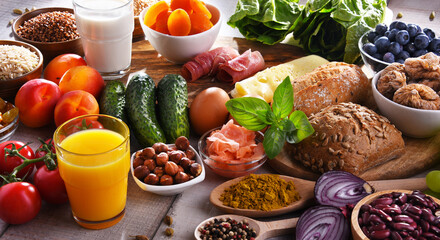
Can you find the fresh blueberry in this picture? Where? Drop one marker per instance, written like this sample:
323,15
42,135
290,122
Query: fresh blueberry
429,33
388,57
420,52
382,44
402,37
393,25
369,48
403,55
412,30
395,48
401,25
410,48
391,34
401,61
381,28
371,36
378,56
421,41
434,45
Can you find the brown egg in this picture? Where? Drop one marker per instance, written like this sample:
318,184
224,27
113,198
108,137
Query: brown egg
208,110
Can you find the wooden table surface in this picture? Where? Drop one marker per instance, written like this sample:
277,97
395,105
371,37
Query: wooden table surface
145,211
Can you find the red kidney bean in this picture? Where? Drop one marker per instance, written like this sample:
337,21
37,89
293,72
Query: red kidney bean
366,208
414,210
374,219
416,234
435,229
394,208
427,215
400,226
384,200
413,224
396,236
413,216
435,238
425,225
381,234
403,218
381,214
377,227
365,217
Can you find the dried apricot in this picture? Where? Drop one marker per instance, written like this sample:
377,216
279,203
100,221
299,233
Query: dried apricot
199,23
183,4
179,23
154,11
161,22
200,7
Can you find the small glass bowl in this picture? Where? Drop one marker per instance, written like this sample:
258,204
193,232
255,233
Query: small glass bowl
7,132
374,64
230,170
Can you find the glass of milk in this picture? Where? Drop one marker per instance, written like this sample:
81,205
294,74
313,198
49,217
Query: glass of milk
106,29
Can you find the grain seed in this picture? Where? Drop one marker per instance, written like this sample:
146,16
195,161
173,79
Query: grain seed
17,11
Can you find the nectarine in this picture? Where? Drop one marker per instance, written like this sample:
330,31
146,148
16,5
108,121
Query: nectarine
82,78
60,64
73,104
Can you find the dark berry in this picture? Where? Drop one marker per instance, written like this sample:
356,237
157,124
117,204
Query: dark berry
401,61
401,25
381,28
403,55
388,57
421,41
412,30
402,37
434,45
382,44
410,48
377,56
369,48
395,48
371,36
393,25
391,34
429,33
420,52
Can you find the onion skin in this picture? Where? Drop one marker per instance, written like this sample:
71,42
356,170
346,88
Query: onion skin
339,188
322,223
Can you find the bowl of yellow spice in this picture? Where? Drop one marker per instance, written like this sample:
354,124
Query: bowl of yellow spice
262,195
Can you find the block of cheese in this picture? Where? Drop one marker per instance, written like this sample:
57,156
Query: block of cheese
264,83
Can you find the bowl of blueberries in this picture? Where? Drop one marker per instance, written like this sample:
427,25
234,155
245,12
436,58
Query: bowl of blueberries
395,43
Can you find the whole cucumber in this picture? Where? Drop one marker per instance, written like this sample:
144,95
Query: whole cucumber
112,101
141,100
172,99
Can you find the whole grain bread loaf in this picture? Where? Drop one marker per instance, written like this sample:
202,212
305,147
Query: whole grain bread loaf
330,84
348,137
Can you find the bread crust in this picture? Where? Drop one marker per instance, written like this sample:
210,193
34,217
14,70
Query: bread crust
348,137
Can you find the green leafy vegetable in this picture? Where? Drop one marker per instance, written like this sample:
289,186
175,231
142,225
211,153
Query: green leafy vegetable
255,114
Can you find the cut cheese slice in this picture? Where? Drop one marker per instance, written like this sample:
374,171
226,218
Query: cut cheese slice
264,83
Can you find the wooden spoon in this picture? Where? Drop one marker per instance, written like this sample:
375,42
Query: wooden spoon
264,229
305,189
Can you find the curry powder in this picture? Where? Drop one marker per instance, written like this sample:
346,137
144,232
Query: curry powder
260,192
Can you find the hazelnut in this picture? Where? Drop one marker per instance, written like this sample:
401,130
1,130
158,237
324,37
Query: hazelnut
160,147
137,162
176,156
180,169
159,171
185,163
182,143
148,153
190,153
162,158
166,180
171,168
141,172
181,177
151,179
195,169
150,164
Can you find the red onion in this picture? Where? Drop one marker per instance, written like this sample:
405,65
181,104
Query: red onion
322,223
339,188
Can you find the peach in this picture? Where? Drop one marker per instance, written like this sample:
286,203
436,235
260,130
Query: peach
82,78
73,104
60,64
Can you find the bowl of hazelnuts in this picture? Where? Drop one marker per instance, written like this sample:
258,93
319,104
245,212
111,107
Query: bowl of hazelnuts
167,169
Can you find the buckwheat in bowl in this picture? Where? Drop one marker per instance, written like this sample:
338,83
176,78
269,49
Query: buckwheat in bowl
19,63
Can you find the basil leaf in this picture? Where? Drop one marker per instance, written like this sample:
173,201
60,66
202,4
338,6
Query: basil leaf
282,104
273,142
302,125
249,112
287,125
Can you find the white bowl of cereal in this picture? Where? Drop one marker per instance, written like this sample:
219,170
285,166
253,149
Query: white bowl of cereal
19,63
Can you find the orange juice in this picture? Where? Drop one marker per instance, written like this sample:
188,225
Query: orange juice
94,167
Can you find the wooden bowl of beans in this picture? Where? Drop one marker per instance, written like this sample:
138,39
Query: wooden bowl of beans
396,214
52,30
19,63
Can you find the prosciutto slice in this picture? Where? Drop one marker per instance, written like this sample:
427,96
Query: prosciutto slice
241,67
207,63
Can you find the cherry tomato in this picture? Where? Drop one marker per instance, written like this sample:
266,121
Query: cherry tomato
7,166
50,185
83,124
40,153
20,202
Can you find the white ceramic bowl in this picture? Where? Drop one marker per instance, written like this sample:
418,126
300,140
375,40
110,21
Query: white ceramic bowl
180,49
413,122
169,189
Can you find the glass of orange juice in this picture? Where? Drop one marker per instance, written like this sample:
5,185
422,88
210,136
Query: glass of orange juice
93,154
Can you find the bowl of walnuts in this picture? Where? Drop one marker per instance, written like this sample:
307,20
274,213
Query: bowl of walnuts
167,169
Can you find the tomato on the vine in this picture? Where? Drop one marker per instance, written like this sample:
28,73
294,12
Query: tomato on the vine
20,202
8,165
85,123
50,185
41,153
